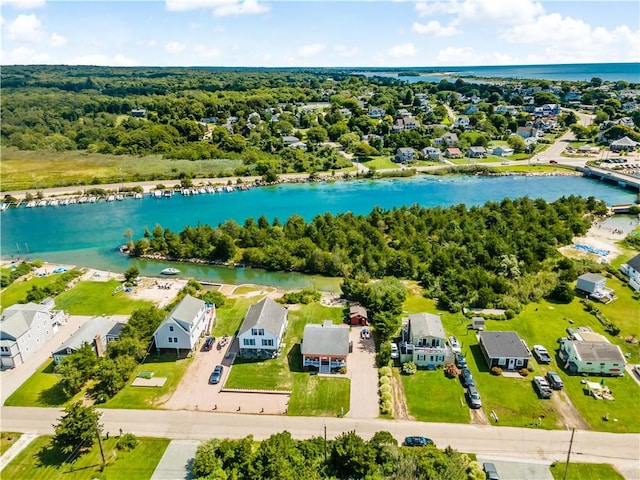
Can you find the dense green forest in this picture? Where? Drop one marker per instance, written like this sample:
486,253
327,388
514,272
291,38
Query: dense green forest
346,457
502,254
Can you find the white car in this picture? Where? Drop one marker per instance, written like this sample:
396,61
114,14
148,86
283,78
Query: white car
395,353
454,344
365,333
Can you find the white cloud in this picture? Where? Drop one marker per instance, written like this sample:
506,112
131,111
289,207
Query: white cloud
121,60
206,52
23,55
434,28
405,50
195,25
221,8
151,43
495,12
25,28
57,40
310,50
91,59
461,56
23,4
184,5
345,51
174,47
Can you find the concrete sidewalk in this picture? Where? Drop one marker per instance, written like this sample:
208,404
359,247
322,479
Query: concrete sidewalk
175,464
16,448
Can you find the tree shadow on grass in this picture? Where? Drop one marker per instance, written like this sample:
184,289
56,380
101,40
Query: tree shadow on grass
51,456
53,397
478,357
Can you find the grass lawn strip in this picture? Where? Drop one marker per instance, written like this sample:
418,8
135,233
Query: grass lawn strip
379,163
17,291
35,461
97,298
585,471
317,396
432,397
7,439
230,316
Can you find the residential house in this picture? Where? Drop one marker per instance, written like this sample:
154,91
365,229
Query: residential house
547,109
262,329
138,113
471,109
527,132
623,144
183,327
97,332
476,152
632,270
325,347
448,139
358,315
629,106
345,112
405,155
431,153
376,112
477,323
506,109
504,350
462,122
405,123
502,151
24,329
372,136
424,341
595,287
299,145
586,352
289,140
453,153
209,120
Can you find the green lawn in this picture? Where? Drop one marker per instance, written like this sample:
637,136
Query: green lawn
316,396
165,365
432,397
17,291
38,461
378,163
41,390
230,316
7,439
97,298
585,471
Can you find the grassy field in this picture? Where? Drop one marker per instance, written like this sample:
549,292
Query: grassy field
41,390
142,398
22,170
17,291
585,471
230,316
432,397
378,162
316,396
7,439
96,298
38,461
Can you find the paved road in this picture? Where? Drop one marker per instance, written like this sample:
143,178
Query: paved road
621,450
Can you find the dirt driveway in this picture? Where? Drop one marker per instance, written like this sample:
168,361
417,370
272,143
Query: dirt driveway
361,369
195,393
567,413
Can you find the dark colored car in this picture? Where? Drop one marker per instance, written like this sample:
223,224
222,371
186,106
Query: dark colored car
461,362
208,343
490,471
416,441
542,388
467,378
216,376
555,382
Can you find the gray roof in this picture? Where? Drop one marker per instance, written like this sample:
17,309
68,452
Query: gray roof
97,326
426,325
16,320
625,141
503,345
325,339
635,263
477,149
598,352
591,277
186,311
268,314
405,150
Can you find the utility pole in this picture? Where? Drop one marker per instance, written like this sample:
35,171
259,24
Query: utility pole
566,465
100,443
325,444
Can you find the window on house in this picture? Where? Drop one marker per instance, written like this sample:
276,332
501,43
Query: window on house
431,358
502,361
250,342
589,363
267,343
171,328
175,339
170,340
257,331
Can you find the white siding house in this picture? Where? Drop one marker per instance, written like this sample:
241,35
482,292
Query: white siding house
262,329
325,347
190,320
425,342
592,353
24,329
632,270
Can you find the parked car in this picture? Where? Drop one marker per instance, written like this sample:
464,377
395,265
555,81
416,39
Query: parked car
636,370
395,353
454,344
208,343
542,388
461,362
490,471
417,441
541,354
553,161
365,333
467,378
555,382
473,397
216,375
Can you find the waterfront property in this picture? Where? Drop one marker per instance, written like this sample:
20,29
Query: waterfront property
504,350
183,327
585,351
595,287
25,328
325,347
632,270
262,329
97,332
424,341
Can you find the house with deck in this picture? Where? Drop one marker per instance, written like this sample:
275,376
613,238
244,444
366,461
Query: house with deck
262,329
424,342
325,347
594,286
632,270
185,325
97,332
504,350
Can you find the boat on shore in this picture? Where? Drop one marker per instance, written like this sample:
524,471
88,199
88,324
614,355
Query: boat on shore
170,271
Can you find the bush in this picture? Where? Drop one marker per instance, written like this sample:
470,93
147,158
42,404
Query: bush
385,380
385,372
386,397
497,371
524,372
451,371
509,314
385,389
386,407
409,368
383,357
127,442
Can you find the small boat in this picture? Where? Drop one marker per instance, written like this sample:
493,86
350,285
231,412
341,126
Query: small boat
138,196
170,271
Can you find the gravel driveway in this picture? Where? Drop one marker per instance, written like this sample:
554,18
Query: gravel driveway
361,369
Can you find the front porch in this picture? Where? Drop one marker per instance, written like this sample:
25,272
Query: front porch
324,364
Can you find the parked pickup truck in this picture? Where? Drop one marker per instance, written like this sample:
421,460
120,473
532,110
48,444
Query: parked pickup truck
541,354
542,388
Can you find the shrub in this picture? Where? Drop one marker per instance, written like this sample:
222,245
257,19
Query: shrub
509,314
385,371
409,368
497,371
386,397
385,380
127,442
524,372
451,371
386,406
342,370
385,389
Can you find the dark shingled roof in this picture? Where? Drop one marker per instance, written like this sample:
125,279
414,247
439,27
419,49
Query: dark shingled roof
598,352
266,313
325,339
503,345
635,263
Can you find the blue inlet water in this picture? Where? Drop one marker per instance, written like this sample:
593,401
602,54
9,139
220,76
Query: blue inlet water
90,234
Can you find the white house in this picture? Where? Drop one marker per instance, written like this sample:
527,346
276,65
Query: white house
632,270
405,154
476,152
587,352
24,329
431,153
183,327
502,151
376,112
325,347
448,139
461,122
97,332
262,329
424,342
527,132
594,286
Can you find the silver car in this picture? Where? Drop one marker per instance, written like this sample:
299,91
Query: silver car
473,397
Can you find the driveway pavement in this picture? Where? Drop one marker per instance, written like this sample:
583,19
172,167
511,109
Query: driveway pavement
16,448
510,469
361,369
176,462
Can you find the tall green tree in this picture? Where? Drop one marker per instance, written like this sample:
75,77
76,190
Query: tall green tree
77,429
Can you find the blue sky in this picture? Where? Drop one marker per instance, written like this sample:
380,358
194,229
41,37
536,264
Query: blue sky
319,33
